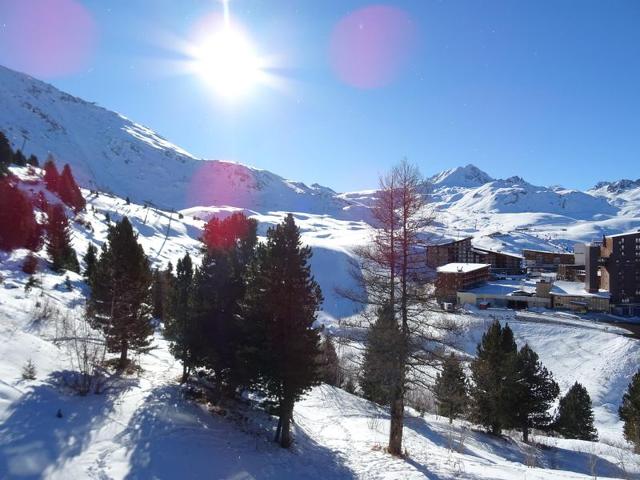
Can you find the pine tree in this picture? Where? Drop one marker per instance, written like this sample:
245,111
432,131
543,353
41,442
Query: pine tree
179,327
575,415
51,175
630,412
380,360
219,289
69,191
281,303
19,159
536,391
6,155
18,225
90,258
33,161
494,377
451,389
162,285
120,298
59,248
329,362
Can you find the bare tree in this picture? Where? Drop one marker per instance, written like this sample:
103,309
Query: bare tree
391,270
86,349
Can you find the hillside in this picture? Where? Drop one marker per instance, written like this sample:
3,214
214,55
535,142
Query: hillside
111,153
127,431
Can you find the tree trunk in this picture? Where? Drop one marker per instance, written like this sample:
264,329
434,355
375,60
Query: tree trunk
287,415
397,421
525,434
185,373
124,350
279,427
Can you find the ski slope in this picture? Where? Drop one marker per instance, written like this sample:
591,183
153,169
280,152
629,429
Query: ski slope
144,427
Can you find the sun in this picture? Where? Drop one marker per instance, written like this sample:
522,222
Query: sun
227,61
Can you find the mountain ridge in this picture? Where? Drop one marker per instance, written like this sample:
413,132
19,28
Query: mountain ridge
109,152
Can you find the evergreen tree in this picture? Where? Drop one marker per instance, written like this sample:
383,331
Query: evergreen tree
69,191
19,158
380,360
33,161
450,389
58,242
179,327
121,293
329,362
6,155
536,391
219,289
575,415
630,412
51,175
90,258
494,375
18,225
161,291
281,303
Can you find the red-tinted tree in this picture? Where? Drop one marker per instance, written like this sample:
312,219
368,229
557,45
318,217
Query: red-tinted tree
69,191
51,175
18,226
63,256
225,234
30,264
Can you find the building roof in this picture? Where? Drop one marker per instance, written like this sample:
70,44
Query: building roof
462,267
503,287
448,241
636,232
509,287
497,252
546,251
575,289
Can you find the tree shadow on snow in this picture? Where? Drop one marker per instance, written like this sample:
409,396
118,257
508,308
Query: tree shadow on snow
33,438
170,438
586,463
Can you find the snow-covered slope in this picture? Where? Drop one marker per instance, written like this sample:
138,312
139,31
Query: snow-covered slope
625,194
472,190
111,153
128,431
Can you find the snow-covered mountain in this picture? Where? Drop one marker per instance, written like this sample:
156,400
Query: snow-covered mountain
625,194
466,177
472,190
112,153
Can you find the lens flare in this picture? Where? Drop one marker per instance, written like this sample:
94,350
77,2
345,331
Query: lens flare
222,184
46,38
370,46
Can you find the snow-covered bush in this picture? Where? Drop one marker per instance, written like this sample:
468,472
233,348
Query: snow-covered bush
29,371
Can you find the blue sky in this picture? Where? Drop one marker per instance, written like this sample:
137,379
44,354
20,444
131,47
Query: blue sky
548,90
